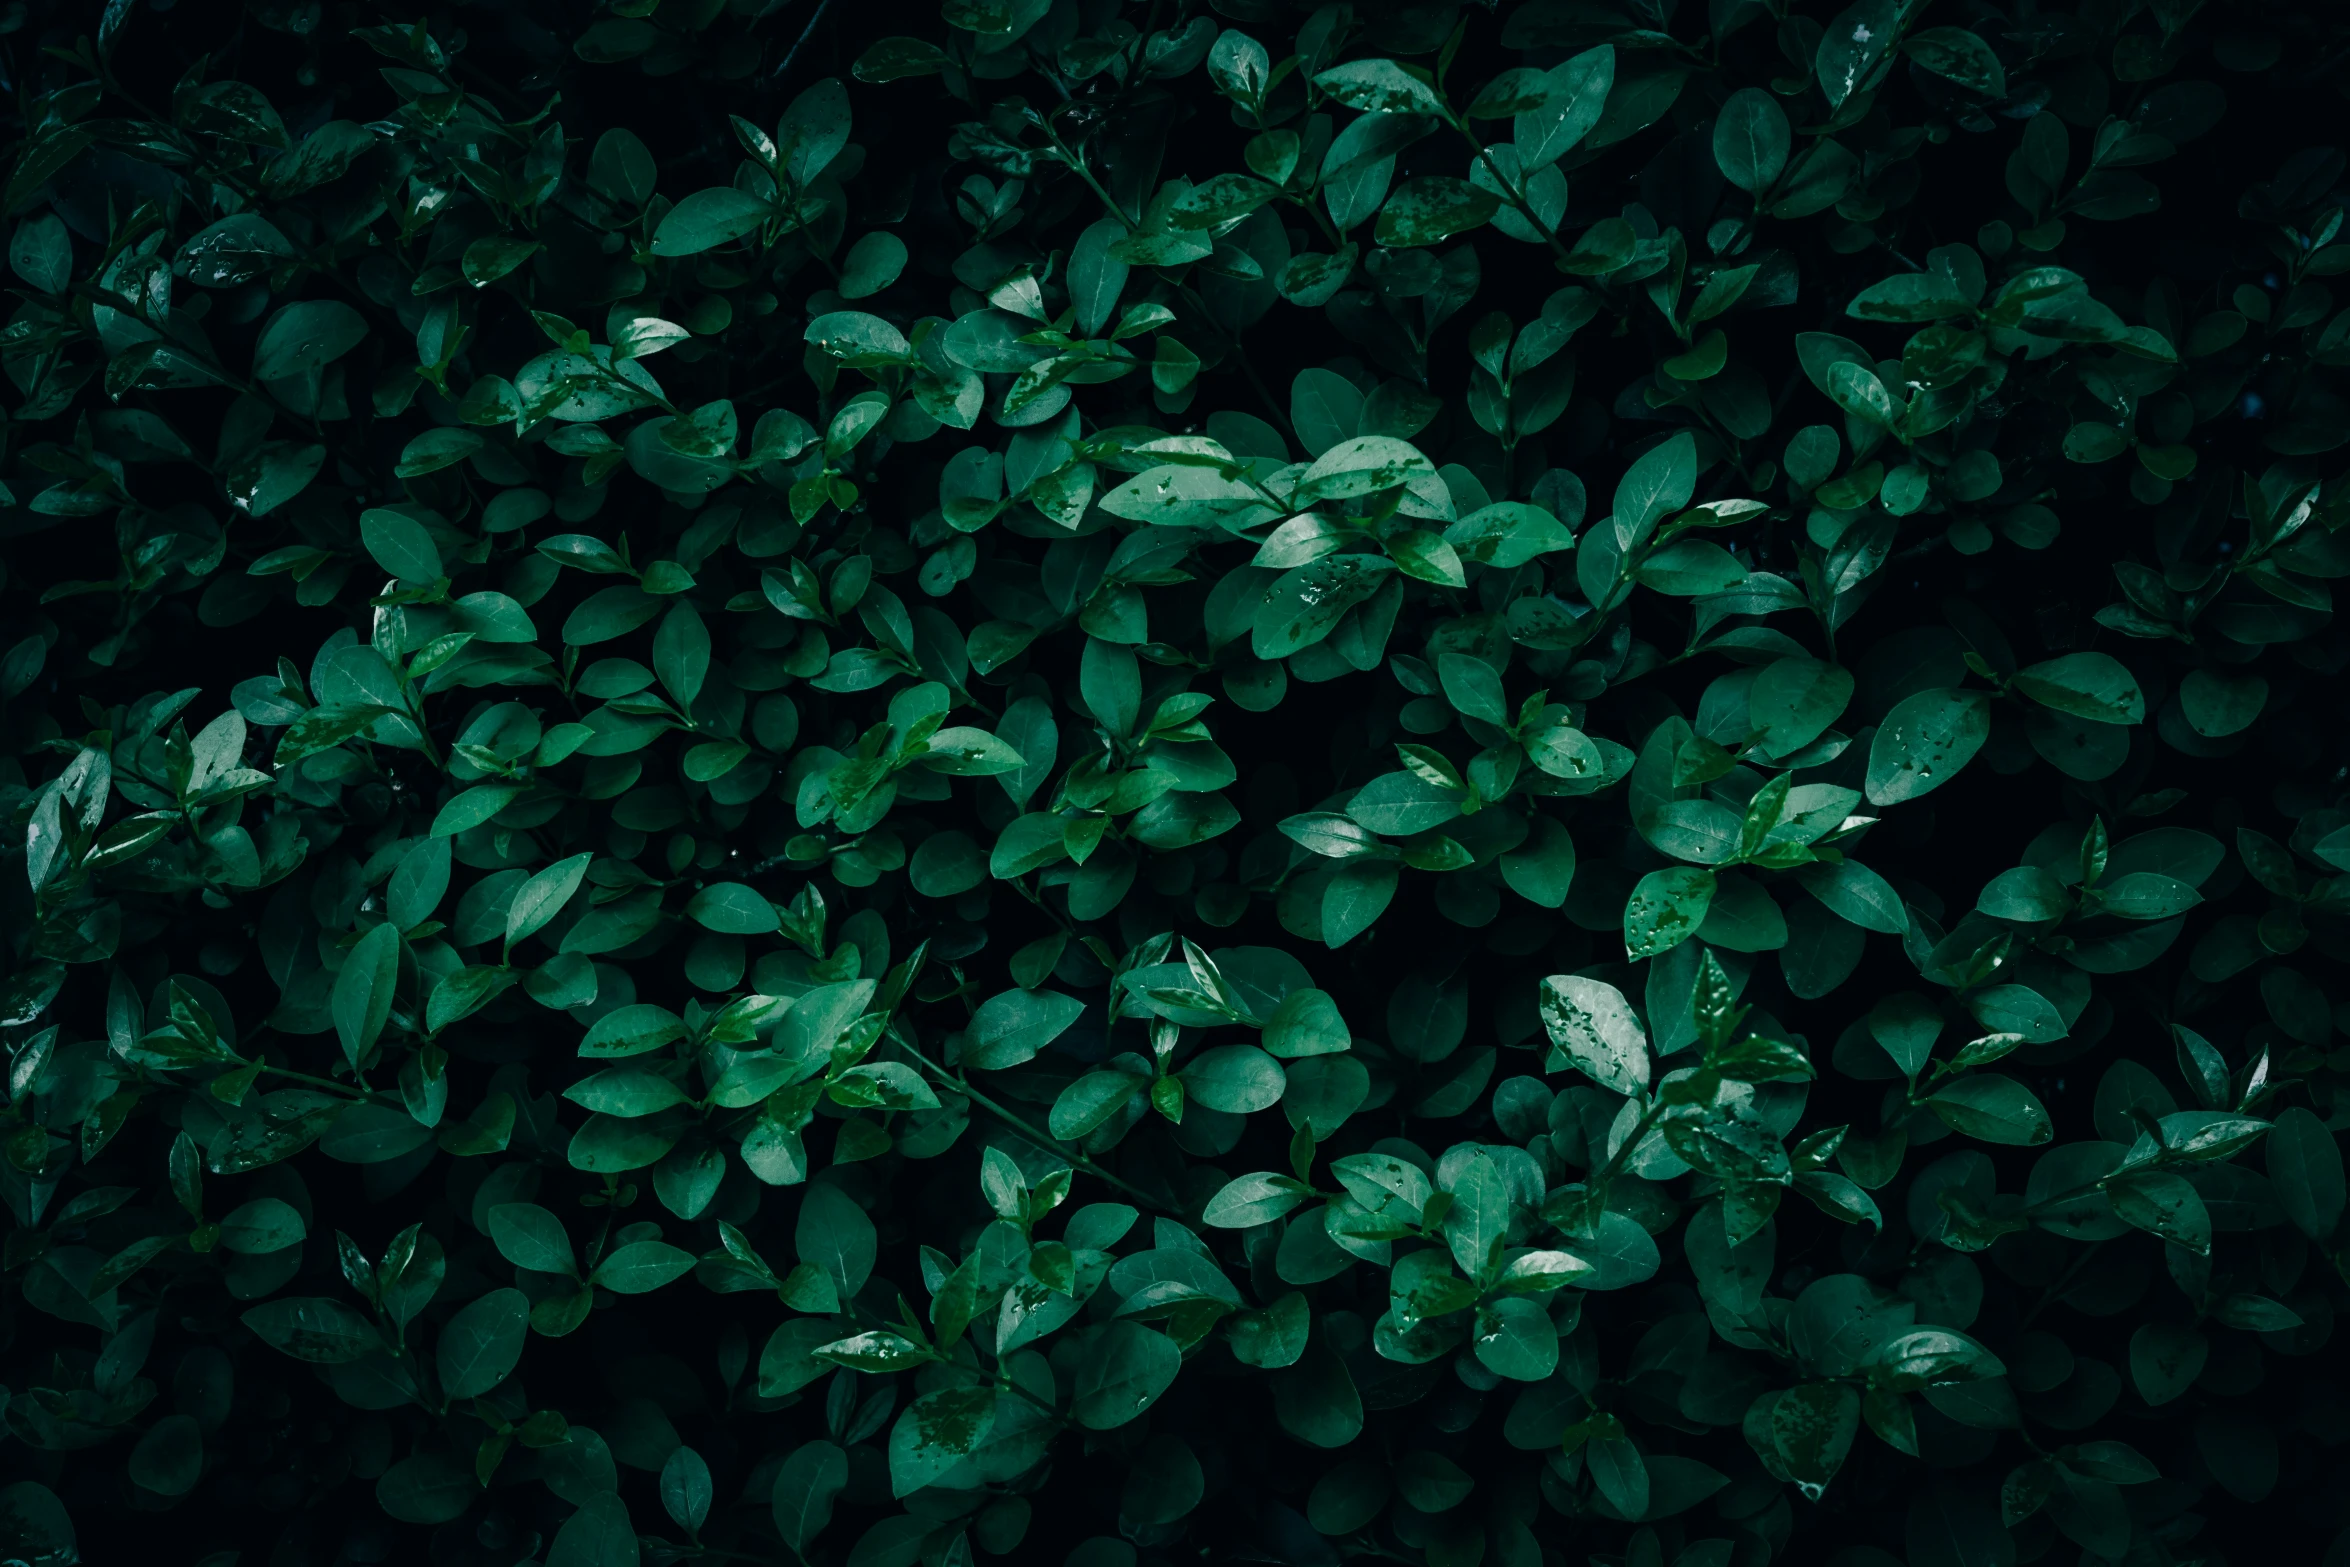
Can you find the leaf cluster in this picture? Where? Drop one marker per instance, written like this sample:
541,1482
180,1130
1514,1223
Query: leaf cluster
1115,783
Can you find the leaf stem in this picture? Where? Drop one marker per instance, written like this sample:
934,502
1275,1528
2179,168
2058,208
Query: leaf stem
1509,187
1028,1129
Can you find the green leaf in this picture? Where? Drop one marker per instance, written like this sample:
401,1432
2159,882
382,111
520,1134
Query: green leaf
872,264
1473,687
306,336
1923,743
971,753
1236,1079
1688,568
474,807
1419,553
938,1431
540,899
1594,1029
1274,1337
1358,893
364,992
1125,1370
1432,209
2217,704
1665,909
1853,46
1517,1340
836,1236
1752,140
1254,1199
2147,895
431,1488
419,884
2166,1359
894,59
1542,868
1306,1023
632,1030
857,339
262,1226
1993,1109
529,1236
599,1534
275,473
641,1267
1794,700
1030,843
2026,893
2305,1164
1307,603
1913,296
481,1345
325,727
1578,91
686,1491
1011,1027
1223,199
1380,87
2094,686
1811,1429
169,1459
1959,56
626,1091
814,129
1401,803
709,218
1659,482
1507,534
2162,1204
732,909
323,1331
813,1477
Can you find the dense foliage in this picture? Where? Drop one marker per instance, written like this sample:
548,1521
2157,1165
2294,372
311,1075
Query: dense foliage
1199,781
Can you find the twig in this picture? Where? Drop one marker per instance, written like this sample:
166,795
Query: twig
783,67
1042,1139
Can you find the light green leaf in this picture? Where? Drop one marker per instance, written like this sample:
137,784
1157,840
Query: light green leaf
970,753
1665,909
1594,1029
540,899
1380,87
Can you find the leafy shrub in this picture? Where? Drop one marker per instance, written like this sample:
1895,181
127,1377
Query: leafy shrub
1533,784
